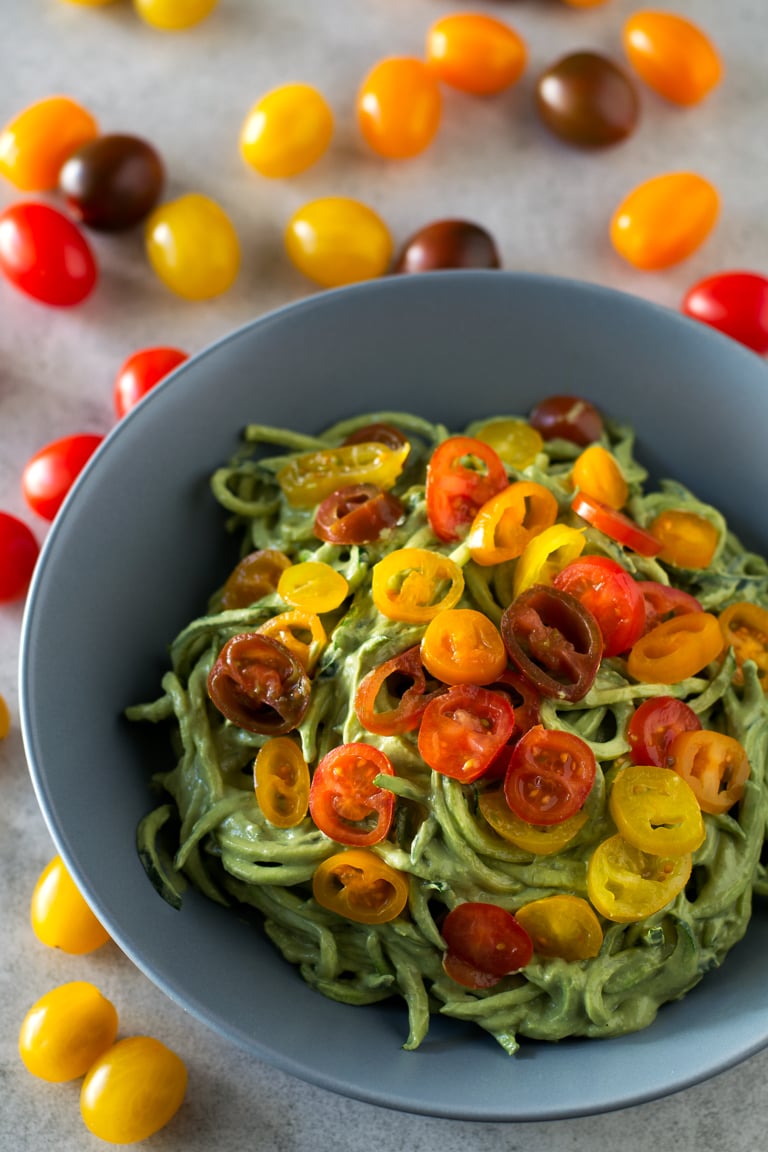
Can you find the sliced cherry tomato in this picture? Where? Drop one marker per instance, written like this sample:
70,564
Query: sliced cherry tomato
60,916
515,441
463,729
714,765
140,372
735,303
610,594
626,884
133,1090
567,418
506,523
550,775
664,220
545,555
563,926
345,802
18,555
596,472
616,525
45,255
462,475
745,629
405,704
538,839
35,144
310,477
678,648
462,646
360,886
255,576
662,602
526,704
475,53
654,725
687,540
281,780
467,974
193,247
66,1031
414,584
487,937
301,632
357,514
380,433
337,240
672,55
313,585
49,474
399,107
554,641
259,685
656,811
286,131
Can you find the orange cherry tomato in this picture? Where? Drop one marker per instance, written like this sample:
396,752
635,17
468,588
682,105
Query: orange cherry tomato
360,886
509,520
281,780
672,55
399,107
37,142
313,586
626,884
60,916
538,839
255,576
401,685
476,53
615,524
301,632
687,540
745,629
714,765
676,649
596,472
656,810
462,475
563,926
66,1031
310,477
664,220
463,646
414,584
344,800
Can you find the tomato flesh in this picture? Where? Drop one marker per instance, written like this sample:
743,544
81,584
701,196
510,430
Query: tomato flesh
655,724
550,775
463,729
487,937
608,591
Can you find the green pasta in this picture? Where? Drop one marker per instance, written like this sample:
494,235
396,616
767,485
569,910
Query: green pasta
210,831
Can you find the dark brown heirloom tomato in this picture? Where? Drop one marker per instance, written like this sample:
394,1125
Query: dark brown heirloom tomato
554,641
567,418
357,514
448,244
378,433
113,182
587,100
259,685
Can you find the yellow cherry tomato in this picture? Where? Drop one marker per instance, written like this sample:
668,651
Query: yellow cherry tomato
308,478
286,131
399,107
5,719
563,926
313,586
664,220
193,247
672,55
60,916
676,649
687,540
414,584
336,240
626,884
745,629
545,555
133,1090
539,839
463,646
35,144
174,15
299,631
597,473
66,1031
281,780
360,886
507,522
475,53
90,3
655,810
513,440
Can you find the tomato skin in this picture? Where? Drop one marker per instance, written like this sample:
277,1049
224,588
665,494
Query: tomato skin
37,142
59,914
49,474
549,777
193,247
174,15
664,220
360,886
344,801
463,646
407,581
337,240
313,586
456,492
567,418
406,713
253,577
19,550
475,53
678,648
714,765
656,811
286,131
615,524
65,1031
357,514
672,55
281,782
140,372
463,729
487,937
597,473
515,441
654,725
399,107
687,540
132,1090
607,591
45,255
554,641
506,523
663,601
111,183
735,303
563,926
626,884
259,685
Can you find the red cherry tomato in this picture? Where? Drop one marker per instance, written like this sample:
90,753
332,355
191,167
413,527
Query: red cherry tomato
487,938
549,777
401,686
662,602
462,475
49,474
655,724
140,372
463,729
607,591
18,555
567,418
616,525
357,514
735,303
344,801
45,255
526,704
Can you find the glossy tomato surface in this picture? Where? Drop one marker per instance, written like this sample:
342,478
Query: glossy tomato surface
49,474
18,555
43,254
735,303
140,372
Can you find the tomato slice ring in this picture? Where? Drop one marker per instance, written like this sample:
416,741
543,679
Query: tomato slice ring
407,706
550,775
463,729
615,524
554,641
487,937
462,475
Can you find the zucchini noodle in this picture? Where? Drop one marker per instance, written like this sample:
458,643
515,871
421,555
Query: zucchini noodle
208,829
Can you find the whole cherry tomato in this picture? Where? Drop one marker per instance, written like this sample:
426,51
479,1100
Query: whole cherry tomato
66,1031
286,131
113,182
475,53
611,595
313,585
672,55
18,555
687,539
567,418
281,781
506,523
550,775
626,884
360,886
596,473
173,15
676,649
663,601
259,685
664,220
337,240
656,811
451,243
714,765
308,478
357,514
255,576
59,914
344,801
554,641
563,926
487,938
745,629
399,107
615,524
193,247
735,303
132,1090
463,729
45,255
463,646
462,475
654,725
48,475
414,584
140,372
401,684
587,100
37,142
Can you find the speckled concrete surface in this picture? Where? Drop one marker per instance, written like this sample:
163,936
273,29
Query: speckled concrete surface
548,208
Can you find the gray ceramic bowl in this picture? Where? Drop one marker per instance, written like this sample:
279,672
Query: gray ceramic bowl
140,544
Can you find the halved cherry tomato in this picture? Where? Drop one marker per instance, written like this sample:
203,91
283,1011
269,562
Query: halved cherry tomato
344,801
745,629
399,107
563,926
554,641
255,576
545,555
663,601
309,478
714,765
385,684
463,646
515,441
672,55
380,433
357,514
615,524
626,884
687,539
48,475
610,594
360,886
664,220
656,810
596,472
462,475
655,724
140,372
506,523
19,550
463,729
259,685
475,53
45,255
735,303
550,775
414,584
467,974
526,704
37,141
539,839
678,648
567,418
301,632
487,937
313,585
281,781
